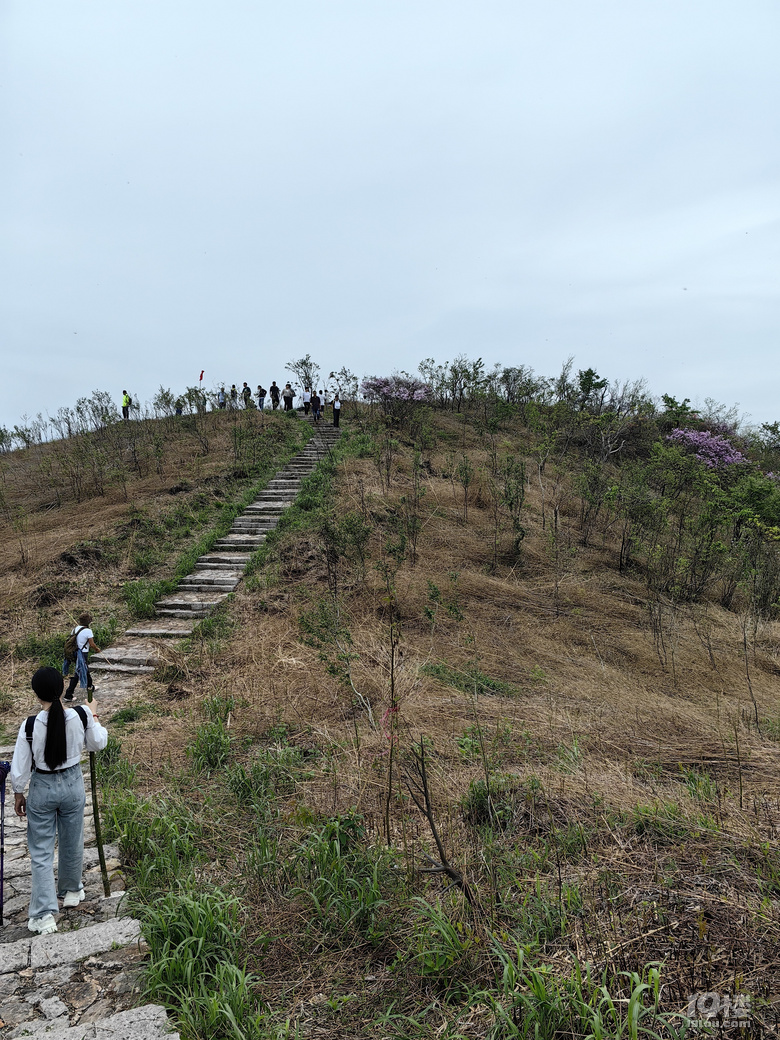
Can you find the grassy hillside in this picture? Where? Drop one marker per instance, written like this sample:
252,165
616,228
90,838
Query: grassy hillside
486,745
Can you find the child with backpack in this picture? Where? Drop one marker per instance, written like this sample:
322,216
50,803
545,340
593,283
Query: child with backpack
77,646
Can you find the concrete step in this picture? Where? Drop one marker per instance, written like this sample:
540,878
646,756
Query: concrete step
208,581
268,505
211,589
245,543
120,666
179,603
159,632
174,613
210,577
226,559
226,568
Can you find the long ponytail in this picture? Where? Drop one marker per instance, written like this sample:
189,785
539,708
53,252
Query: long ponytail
48,685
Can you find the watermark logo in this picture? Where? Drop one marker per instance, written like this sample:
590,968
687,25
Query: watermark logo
708,1010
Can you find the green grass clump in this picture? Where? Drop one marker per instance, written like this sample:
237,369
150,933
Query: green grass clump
141,596
47,650
211,748
469,680
112,770
344,882
194,968
160,839
131,713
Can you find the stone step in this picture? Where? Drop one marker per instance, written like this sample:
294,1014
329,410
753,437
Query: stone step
121,666
173,613
246,543
236,538
187,604
193,587
268,505
149,1022
158,632
209,577
224,559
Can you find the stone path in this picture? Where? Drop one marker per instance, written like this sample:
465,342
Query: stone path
82,982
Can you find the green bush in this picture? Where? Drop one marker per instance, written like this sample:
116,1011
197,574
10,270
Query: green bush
211,747
111,769
194,940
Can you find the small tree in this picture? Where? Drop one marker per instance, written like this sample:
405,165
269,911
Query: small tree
306,371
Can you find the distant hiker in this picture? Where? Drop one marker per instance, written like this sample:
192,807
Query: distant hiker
315,406
233,396
77,646
180,406
126,403
274,392
246,393
221,398
260,395
306,399
336,410
48,756
289,396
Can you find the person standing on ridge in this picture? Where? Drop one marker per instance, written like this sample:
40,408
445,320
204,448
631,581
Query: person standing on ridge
246,394
315,406
274,392
260,395
221,398
306,399
233,396
336,410
289,396
126,402
48,756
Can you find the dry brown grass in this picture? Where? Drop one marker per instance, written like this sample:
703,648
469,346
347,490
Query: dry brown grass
594,716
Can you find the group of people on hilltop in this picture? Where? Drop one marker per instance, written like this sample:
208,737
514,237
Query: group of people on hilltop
313,402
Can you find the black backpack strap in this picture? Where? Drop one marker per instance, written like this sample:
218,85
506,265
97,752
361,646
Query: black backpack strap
82,715
29,726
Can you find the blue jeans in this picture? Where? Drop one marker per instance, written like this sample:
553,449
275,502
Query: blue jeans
55,808
80,670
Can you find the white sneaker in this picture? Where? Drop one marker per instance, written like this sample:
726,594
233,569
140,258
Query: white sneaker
73,898
42,925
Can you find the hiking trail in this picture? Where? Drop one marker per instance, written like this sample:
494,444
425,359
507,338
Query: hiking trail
83,982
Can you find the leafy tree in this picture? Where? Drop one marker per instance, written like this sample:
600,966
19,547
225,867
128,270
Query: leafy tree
306,371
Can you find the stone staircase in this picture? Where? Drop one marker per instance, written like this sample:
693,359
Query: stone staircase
218,572
82,982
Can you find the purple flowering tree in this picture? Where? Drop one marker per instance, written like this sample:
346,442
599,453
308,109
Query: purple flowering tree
711,449
397,395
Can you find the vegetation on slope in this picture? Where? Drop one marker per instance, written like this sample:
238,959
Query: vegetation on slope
487,743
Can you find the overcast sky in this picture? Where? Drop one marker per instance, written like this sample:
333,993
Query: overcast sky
189,185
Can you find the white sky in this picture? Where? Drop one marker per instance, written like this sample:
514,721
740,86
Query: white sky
188,185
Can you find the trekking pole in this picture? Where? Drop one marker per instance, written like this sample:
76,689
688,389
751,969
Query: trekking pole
96,814
5,769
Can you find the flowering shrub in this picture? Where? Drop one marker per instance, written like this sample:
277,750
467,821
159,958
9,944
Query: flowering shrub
399,394
396,387
710,448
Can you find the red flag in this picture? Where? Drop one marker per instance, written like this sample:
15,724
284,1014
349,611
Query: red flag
201,376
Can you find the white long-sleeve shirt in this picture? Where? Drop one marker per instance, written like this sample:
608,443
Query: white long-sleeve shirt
94,738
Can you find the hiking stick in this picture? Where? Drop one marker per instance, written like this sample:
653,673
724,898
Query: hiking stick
5,769
96,814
